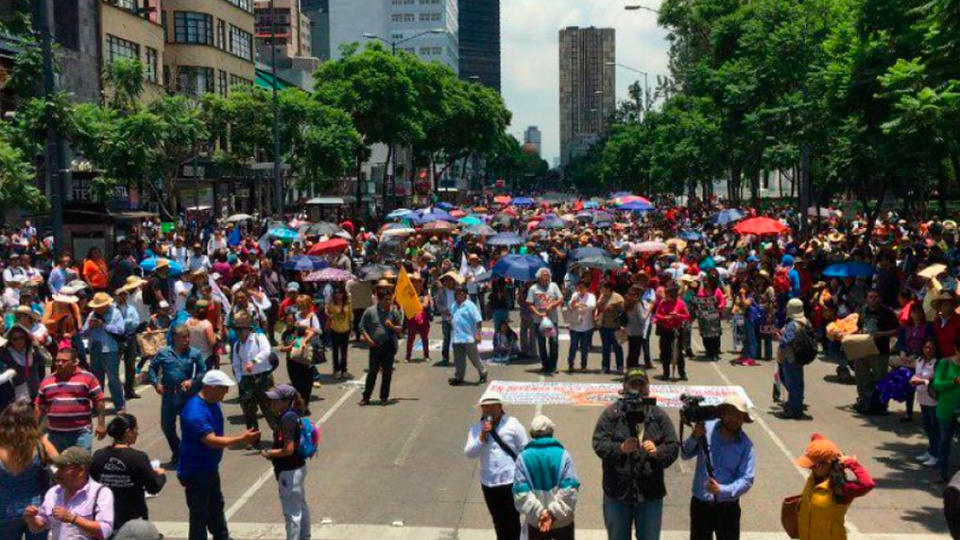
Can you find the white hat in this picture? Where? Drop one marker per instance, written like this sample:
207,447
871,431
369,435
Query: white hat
491,397
795,310
215,377
542,425
737,403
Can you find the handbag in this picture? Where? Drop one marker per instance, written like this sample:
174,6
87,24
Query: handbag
151,342
790,515
301,353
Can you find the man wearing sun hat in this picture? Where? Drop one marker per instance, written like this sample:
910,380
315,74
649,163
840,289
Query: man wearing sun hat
104,330
715,504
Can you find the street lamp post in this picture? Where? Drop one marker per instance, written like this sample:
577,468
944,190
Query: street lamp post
647,102
277,175
55,161
393,147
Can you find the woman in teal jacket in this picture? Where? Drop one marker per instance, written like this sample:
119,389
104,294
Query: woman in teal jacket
545,484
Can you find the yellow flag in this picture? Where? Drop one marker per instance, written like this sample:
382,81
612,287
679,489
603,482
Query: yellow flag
406,296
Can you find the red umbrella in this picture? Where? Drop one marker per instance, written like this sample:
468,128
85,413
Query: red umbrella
334,244
502,199
760,226
457,213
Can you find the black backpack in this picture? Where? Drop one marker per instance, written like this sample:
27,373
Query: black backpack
804,345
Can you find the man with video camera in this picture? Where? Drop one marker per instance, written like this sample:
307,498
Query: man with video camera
725,466
637,442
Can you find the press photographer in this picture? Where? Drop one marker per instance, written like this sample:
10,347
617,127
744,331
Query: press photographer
725,465
637,442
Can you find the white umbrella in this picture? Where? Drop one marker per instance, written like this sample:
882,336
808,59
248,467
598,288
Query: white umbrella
238,217
648,247
398,232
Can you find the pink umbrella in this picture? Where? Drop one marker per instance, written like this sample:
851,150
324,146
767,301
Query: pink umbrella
330,274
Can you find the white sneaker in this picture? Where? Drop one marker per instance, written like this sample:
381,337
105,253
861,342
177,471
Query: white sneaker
924,457
932,462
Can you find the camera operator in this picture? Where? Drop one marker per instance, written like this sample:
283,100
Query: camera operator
725,470
637,442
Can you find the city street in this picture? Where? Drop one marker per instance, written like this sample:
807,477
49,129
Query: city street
398,472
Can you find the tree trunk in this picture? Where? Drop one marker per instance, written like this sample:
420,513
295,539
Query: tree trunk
359,185
942,189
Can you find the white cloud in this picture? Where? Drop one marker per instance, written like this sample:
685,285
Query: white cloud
530,50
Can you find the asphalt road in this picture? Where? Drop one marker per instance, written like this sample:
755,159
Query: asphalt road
399,472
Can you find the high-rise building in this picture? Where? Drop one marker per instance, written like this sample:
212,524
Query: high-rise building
587,87
480,42
292,28
399,21
318,11
532,136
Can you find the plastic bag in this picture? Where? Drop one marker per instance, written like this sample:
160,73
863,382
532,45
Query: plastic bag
547,328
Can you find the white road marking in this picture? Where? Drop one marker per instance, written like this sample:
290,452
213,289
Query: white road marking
267,474
408,444
539,409
276,531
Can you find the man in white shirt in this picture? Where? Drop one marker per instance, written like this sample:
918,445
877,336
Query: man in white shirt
13,271
217,242
497,439
178,252
198,260
250,359
474,276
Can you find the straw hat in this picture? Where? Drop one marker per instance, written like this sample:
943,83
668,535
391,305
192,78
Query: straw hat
101,299
835,237
454,275
133,283
26,310
161,263
383,284
65,298
739,404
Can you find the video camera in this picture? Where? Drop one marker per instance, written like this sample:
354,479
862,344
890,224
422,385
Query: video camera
634,407
693,410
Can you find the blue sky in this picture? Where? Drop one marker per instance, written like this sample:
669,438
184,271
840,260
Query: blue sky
529,36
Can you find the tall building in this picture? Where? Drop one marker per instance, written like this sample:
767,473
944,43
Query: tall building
532,136
132,29
480,42
318,11
210,44
292,28
399,21
587,87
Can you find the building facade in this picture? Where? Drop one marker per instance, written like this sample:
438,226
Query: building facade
292,29
318,11
480,42
399,21
587,87
132,29
533,136
210,45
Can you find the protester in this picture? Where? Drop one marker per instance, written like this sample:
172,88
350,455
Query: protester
726,462
579,317
543,299
380,327
497,439
922,380
251,362
671,313
467,335
24,458
201,451
104,329
828,493
946,383
175,373
78,506
881,324
339,321
289,466
790,369
68,398
610,318
634,462
126,471
637,310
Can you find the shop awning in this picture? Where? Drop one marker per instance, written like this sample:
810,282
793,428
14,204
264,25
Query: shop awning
265,79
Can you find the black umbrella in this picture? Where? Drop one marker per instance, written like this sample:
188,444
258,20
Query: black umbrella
323,228
372,272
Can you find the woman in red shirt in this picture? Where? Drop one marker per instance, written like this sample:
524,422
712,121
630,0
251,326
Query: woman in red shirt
670,316
95,270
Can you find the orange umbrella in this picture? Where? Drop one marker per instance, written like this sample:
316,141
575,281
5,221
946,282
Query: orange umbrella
502,199
760,226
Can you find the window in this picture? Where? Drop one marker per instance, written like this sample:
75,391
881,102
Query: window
221,35
241,43
409,17
246,5
66,23
118,48
235,80
191,27
129,5
222,82
150,67
397,17
428,17
194,80
429,2
396,37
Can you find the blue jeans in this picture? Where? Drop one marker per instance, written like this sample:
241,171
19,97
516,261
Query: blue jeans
621,517
16,529
170,406
750,342
61,440
579,341
791,374
107,366
447,327
608,339
948,428
928,416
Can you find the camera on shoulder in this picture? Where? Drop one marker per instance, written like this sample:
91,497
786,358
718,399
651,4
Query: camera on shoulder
693,410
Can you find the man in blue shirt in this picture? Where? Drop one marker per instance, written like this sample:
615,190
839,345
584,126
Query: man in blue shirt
200,455
105,330
467,335
175,373
715,505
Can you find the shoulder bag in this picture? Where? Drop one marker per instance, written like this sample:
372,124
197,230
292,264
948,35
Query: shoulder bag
503,446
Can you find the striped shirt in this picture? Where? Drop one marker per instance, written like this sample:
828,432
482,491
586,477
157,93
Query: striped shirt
69,404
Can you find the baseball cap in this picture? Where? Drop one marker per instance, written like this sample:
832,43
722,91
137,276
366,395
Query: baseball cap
73,456
633,374
293,286
215,377
281,392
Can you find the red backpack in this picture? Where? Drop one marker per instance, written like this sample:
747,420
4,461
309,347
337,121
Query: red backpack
781,280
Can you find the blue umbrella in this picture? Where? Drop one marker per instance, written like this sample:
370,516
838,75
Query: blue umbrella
584,252
518,267
691,236
635,206
725,217
523,201
444,205
147,265
283,233
305,263
850,269
436,216
552,221
591,204
400,213
505,239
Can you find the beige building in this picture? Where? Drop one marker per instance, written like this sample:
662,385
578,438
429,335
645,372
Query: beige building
587,87
131,29
209,45
292,28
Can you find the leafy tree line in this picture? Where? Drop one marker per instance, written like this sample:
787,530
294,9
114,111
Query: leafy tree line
868,87
370,96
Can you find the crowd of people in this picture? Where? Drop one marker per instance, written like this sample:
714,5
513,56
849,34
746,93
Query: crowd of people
876,295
